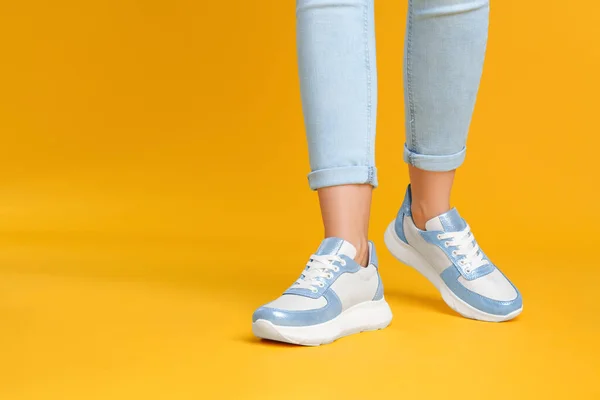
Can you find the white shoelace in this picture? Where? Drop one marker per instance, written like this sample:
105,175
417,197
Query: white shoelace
467,247
319,267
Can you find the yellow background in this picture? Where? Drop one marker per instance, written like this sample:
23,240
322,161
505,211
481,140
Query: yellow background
154,193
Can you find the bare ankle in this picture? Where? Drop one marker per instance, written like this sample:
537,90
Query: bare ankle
362,252
419,218
421,215
361,244
345,210
430,194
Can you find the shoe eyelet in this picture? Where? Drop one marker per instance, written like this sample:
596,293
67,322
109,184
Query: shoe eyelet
343,263
454,253
329,276
336,268
314,290
468,271
321,284
439,237
446,244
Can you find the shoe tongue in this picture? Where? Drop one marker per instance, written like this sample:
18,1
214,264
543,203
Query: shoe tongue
333,246
449,221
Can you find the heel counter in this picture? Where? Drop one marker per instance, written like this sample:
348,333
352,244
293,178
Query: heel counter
404,211
373,255
374,261
379,292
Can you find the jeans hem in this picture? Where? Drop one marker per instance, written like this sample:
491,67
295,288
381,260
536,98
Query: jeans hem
434,162
354,175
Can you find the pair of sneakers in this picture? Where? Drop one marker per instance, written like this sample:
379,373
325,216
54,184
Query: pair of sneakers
336,297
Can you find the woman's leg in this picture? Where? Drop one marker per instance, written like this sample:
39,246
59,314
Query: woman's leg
430,193
338,81
445,46
444,52
336,55
345,211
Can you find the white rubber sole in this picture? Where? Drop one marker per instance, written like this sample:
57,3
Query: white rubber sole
367,316
406,254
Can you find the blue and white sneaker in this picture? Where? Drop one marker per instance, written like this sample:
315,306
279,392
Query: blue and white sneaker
448,255
333,297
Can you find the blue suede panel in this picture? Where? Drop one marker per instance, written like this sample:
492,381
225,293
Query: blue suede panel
280,317
450,276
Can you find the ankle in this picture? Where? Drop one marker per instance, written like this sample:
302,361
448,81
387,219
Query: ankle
430,194
361,244
421,214
362,252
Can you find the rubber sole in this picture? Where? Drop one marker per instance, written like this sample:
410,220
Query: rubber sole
406,254
367,316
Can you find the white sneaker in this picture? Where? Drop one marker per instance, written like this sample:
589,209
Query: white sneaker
334,297
448,255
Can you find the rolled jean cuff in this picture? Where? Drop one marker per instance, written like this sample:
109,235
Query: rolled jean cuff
434,162
354,175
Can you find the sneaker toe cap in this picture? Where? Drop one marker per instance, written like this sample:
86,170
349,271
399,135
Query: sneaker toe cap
286,317
493,293
289,311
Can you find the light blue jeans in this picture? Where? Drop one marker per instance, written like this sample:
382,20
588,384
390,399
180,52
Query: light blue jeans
443,60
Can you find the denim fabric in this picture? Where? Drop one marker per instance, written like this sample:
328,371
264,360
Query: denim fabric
444,51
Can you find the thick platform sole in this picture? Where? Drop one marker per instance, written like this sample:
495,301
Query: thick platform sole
367,316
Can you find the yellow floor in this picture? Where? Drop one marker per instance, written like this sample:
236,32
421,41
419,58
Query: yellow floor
164,320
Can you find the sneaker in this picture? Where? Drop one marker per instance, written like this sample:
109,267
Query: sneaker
447,254
334,297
